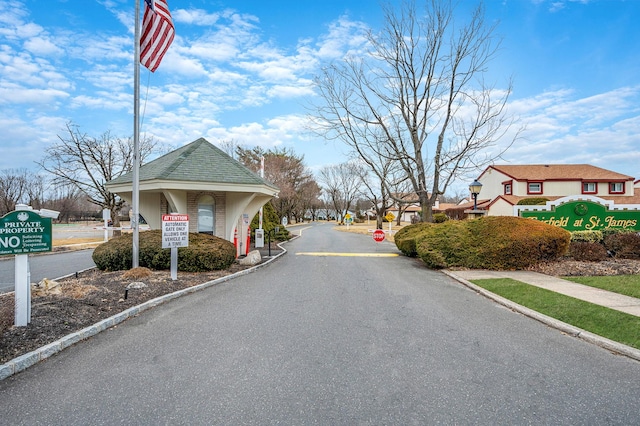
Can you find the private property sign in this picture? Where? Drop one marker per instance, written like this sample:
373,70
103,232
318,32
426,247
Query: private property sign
584,213
175,230
24,232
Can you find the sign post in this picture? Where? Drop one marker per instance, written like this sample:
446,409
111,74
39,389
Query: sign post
25,231
175,233
390,216
348,220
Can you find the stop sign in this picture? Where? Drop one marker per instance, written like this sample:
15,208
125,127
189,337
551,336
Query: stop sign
378,235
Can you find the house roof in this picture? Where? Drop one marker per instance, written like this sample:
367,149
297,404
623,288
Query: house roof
513,199
198,161
541,172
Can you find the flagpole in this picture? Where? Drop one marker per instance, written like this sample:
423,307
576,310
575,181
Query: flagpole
135,199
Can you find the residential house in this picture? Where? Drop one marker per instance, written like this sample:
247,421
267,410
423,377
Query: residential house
503,186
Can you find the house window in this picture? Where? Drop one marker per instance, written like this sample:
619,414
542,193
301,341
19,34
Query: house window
534,188
507,188
589,188
616,188
206,215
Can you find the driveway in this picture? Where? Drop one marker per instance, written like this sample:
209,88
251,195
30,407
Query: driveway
340,332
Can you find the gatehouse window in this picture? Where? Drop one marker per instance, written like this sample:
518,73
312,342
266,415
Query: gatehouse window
206,215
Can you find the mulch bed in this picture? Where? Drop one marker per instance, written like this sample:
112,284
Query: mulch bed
84,301
96,295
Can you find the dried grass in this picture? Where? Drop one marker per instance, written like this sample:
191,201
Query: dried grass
76,290
137,273
7,309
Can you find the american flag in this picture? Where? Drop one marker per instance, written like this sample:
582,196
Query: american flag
157,33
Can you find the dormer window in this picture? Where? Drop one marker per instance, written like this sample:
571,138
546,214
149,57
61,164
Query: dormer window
589,188
534,188
616,188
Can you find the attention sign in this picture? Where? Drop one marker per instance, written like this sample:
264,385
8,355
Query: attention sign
175,230
24,232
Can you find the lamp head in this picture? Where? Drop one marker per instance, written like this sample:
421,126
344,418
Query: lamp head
475,187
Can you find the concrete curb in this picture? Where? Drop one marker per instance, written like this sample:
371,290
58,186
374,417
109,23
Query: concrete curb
25,361
569,329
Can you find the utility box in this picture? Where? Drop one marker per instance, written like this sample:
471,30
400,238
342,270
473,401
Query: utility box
259,238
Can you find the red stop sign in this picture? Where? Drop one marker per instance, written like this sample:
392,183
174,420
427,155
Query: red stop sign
378,235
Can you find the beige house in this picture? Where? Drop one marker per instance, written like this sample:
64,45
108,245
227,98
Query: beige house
503,186
220,195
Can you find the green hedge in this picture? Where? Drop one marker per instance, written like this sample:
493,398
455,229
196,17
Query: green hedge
405,238
533,201
495,242
204,253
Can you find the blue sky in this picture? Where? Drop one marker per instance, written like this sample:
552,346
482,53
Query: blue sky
243,71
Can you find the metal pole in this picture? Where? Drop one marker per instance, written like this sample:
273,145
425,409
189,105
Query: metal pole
135,199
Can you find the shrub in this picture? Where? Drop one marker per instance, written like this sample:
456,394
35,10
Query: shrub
494,242
405,238
587,236
439,218
587,251
204,253
269,221
623,245
533,201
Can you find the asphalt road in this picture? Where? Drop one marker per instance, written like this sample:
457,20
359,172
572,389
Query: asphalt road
51,266
330,340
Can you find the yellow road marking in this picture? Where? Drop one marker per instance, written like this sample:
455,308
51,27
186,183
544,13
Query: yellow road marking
321,253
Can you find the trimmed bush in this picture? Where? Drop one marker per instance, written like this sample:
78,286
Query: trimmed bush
494,242
587,236
440,217
587,251
405,238
204,253
533,201
623,245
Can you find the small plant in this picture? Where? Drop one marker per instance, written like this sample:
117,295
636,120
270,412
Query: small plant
623,245
137,273
7,311
440,218
587,251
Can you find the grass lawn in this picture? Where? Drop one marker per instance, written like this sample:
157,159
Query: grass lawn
629,285
617,326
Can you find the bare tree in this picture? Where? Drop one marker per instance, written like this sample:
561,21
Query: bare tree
287,171
418,98
12,189
375,191
87,163
341,184
230,147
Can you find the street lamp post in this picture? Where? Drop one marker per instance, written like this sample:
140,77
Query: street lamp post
475,188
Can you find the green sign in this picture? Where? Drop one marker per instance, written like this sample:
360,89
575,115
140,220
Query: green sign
23,232
585,215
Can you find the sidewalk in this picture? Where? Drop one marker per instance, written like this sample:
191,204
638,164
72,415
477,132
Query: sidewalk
619,302
629,305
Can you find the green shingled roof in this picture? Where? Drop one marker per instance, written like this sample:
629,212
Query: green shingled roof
199,161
